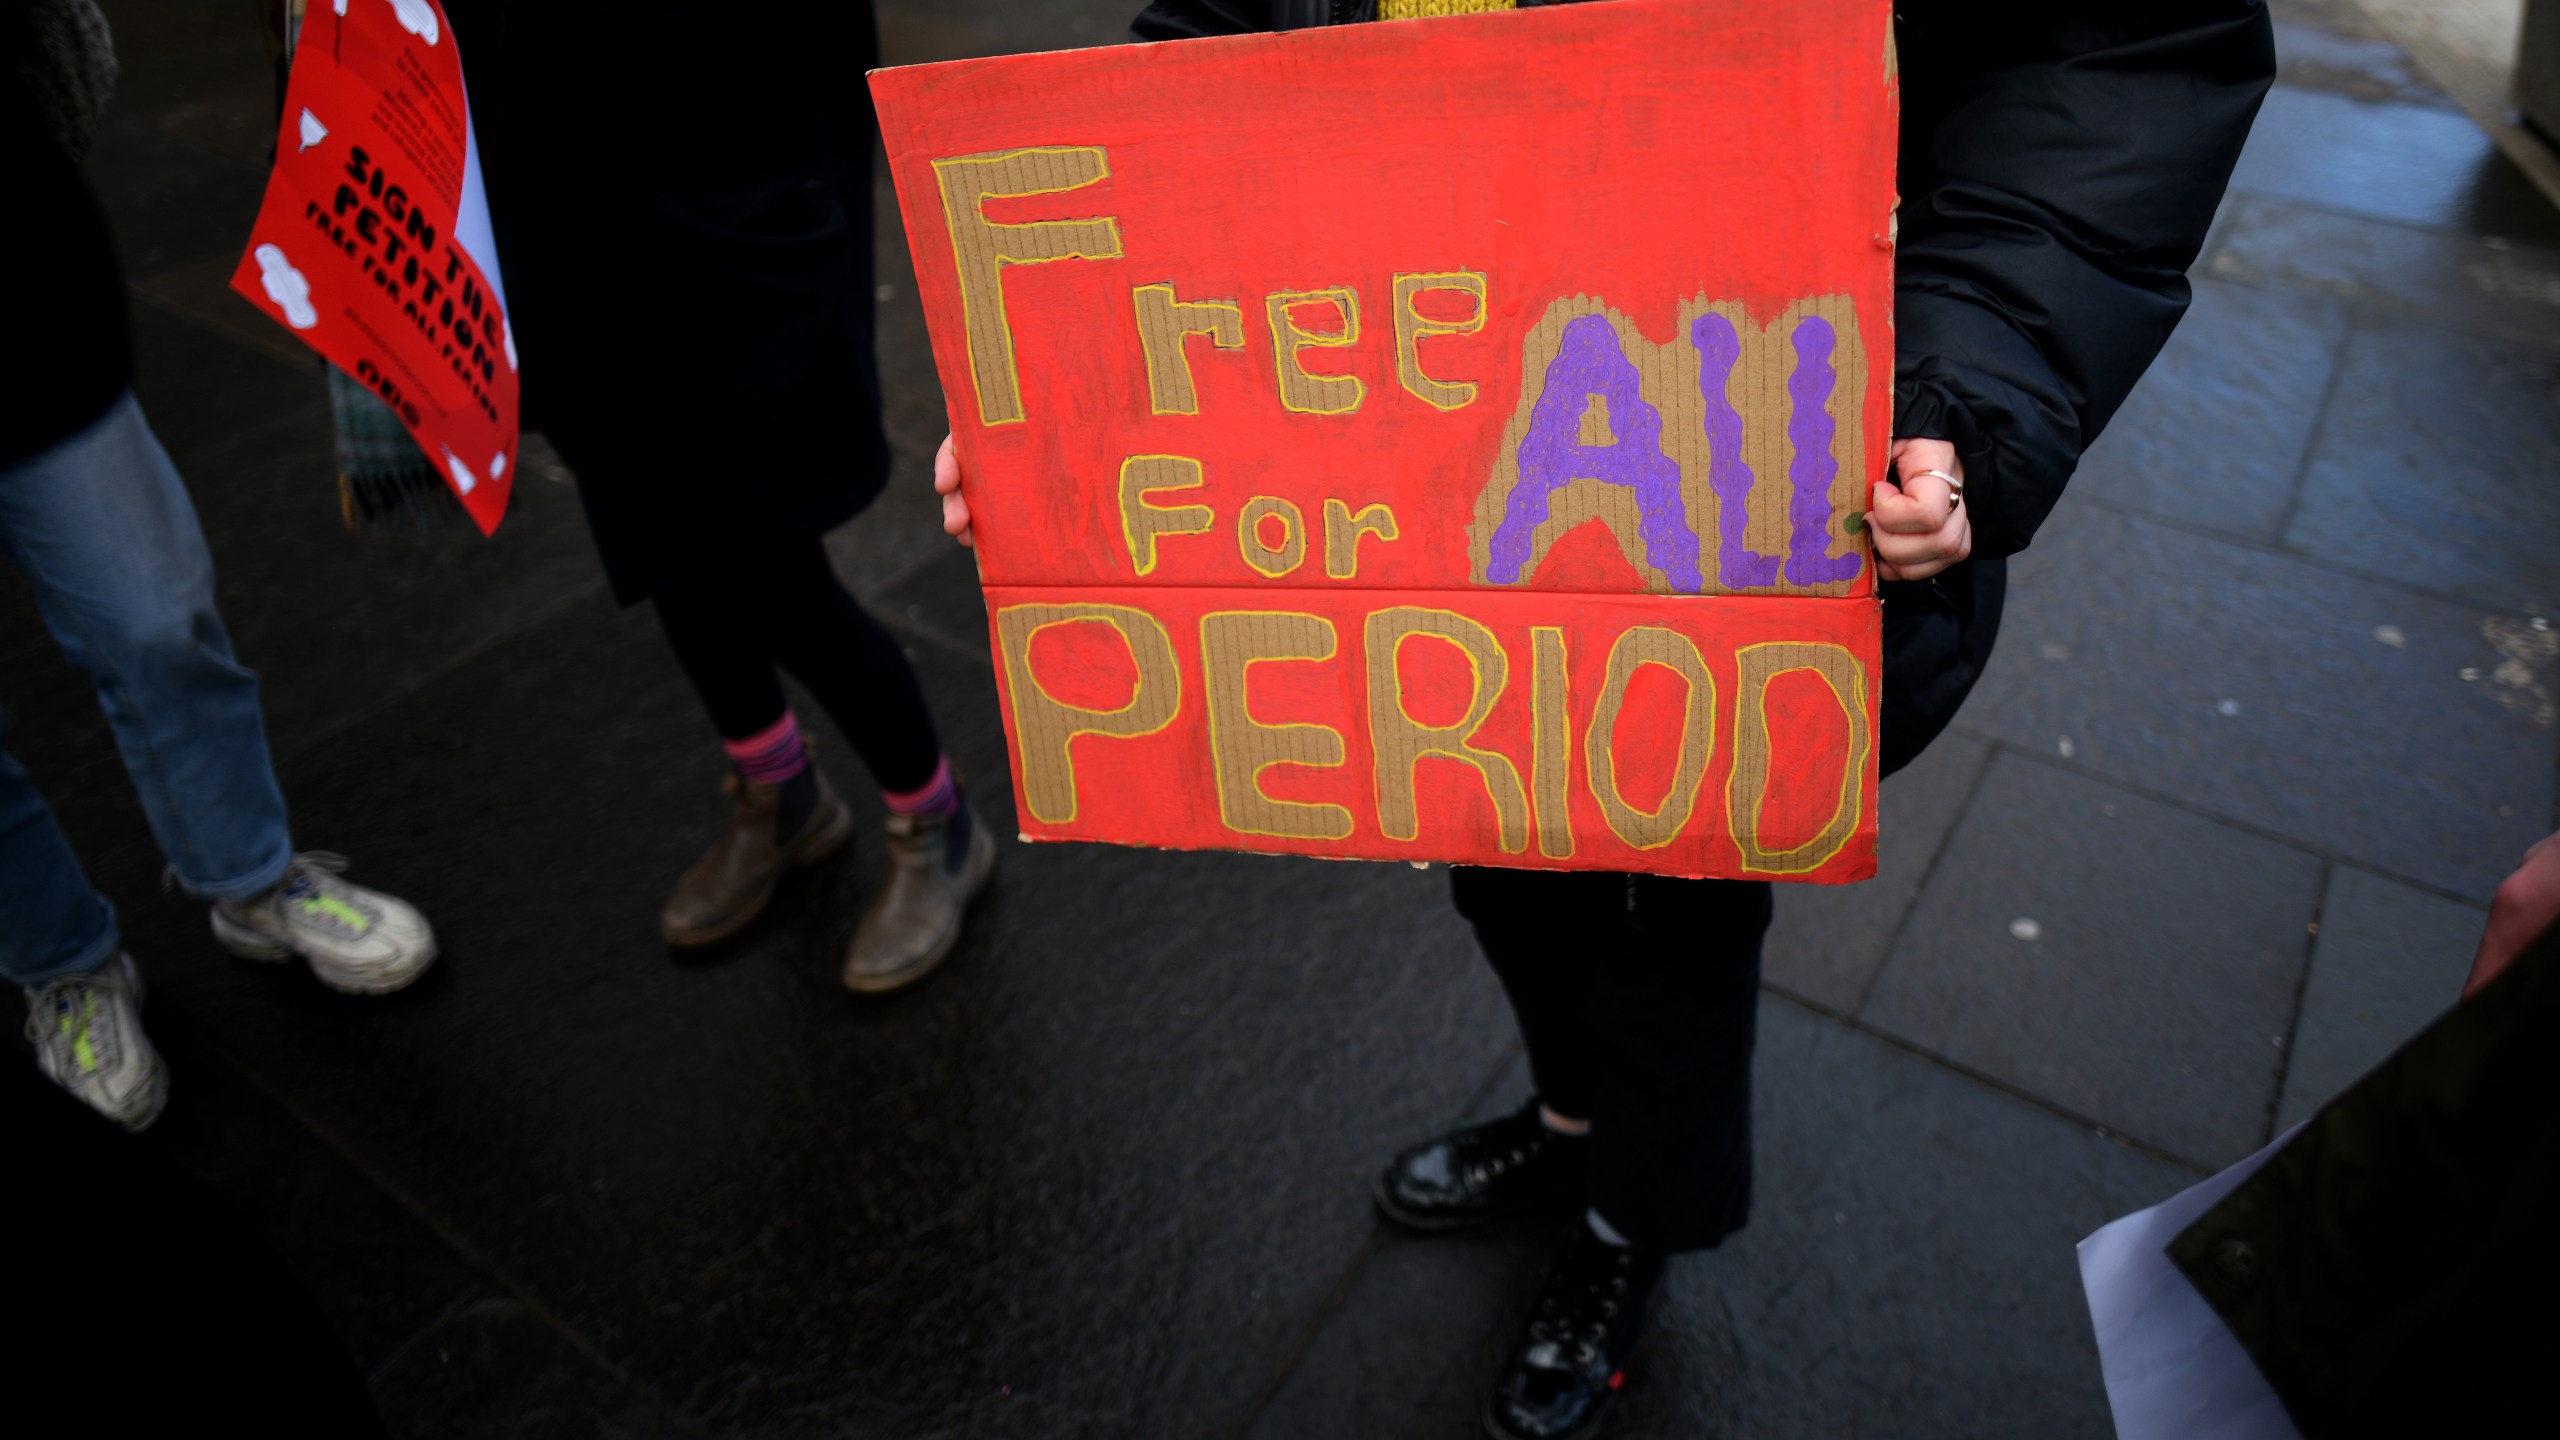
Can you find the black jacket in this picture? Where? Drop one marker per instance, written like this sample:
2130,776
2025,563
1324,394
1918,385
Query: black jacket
2060,166
2394,1270
682,195
71,347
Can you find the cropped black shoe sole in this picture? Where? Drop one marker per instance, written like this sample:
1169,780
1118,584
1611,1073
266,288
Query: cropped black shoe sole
1500,1431
1560,1200
1427,1224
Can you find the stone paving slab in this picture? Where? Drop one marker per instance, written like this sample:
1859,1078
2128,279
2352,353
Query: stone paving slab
1828,940
2417,164
941,605
2433,467
2361,67
2215,434
205,393
196,69
336,624
489,1368
2124,639
200,291
1415,1344
379,1275
2389,960
1119,1146
169,202
2129,961
2336,17
1908,1271
2485,286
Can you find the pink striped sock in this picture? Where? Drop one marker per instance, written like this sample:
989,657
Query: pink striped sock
771,755
935,797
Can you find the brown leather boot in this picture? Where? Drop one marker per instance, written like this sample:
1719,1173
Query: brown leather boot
733,881
936,867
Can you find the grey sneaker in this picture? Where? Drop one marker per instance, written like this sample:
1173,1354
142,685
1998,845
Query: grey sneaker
359,941
936,867
87,1034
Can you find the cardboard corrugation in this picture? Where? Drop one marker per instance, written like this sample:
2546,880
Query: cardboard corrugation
1275,552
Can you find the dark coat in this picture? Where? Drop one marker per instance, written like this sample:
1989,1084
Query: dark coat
2394,1270
2060,166
74,315
682,195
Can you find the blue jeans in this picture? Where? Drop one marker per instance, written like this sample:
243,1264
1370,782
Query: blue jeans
103,528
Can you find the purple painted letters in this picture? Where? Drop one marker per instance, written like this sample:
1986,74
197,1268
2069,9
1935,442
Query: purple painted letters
1588,362
1736,563
1809,430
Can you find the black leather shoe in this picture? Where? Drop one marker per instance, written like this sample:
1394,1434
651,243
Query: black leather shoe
1479,1171
1569,1366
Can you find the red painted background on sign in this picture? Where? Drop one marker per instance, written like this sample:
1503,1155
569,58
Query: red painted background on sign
1574,320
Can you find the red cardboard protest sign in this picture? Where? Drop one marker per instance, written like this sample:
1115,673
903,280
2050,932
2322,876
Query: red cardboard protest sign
373,243
1430,440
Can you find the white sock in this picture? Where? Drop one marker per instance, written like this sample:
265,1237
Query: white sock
1607,1232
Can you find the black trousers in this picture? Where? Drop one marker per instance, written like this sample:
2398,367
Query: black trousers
1638,995
737,624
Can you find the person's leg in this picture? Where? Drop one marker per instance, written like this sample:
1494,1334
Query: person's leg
1636,998
940,858
1647,1014
58,939
1534,927
719,623
828,642
731,625
1665,994
52,923
105,532
103,528
712,625
1673,1006
1655,1002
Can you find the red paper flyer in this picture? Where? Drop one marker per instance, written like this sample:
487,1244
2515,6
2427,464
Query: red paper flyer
374,246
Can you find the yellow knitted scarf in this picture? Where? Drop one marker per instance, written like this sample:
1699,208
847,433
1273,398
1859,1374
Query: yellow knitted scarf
1417,9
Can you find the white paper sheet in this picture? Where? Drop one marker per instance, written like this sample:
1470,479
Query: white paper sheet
2174,1371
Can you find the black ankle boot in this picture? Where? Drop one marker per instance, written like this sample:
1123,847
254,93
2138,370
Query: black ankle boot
1479,1171
1570,1363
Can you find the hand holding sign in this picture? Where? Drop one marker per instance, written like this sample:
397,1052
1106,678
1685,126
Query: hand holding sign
2526,904
946,483
1920,522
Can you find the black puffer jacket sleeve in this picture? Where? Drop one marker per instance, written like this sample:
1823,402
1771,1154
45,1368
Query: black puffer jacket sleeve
2058,177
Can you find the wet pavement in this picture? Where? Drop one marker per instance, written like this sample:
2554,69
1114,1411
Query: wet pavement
2273,713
